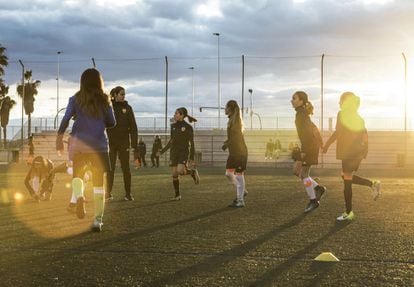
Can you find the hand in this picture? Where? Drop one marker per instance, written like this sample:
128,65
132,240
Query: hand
158,153
224,147
302,155
60,152
324,149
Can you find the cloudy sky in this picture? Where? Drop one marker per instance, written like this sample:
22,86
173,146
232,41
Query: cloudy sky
282,42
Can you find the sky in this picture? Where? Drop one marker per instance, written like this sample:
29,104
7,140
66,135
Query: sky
282,41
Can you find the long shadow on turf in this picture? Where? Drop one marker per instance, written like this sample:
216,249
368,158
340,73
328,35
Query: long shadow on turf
217,261
144,232
270,277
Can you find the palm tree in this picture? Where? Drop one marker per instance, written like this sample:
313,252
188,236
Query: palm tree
4,90
30,91
6,105
3,61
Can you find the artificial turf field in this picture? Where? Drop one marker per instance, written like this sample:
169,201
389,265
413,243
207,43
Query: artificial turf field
199,241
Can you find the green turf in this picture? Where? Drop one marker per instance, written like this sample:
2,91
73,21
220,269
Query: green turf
199,241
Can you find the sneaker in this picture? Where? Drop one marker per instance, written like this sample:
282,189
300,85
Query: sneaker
346,216
237,203
319,191
195,176
71,208
129,198
176,198
312,205
376,189
97,225
80,207
108,197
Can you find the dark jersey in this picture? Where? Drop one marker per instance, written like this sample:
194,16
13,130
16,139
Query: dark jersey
181,140
125,133
351,136
235,142
309,136
156,146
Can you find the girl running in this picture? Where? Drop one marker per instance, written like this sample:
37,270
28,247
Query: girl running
182,149
92,112
351,147
311,142
237,159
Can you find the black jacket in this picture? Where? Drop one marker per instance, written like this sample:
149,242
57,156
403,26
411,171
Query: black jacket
181,140
235,142
351,136
142,147
309,136
156,146
125,133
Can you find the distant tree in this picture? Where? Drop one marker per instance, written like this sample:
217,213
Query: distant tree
4,61
30,91
6,104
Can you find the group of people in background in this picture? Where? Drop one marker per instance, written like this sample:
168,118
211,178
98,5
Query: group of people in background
105,130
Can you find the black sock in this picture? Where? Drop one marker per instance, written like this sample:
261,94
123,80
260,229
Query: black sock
348,195
361,181
176,184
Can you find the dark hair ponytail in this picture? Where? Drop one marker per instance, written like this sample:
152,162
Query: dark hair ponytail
306,103
115,91
184,112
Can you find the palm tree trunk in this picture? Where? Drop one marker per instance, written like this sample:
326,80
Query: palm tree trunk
0,138
29,125
5,137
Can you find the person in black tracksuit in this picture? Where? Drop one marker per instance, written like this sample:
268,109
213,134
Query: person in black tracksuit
311,143
142,151
182,150
39,179
156,148
351,148
237,159
122,137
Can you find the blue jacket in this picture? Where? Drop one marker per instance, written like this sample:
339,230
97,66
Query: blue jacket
88,133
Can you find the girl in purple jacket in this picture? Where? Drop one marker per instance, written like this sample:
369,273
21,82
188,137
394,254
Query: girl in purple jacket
92,112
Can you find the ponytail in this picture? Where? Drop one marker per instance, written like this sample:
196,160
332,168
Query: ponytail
184,112
306,103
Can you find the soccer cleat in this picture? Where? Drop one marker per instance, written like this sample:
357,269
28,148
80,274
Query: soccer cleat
176,198
97,225
376,189
346,216
312,205
71,208
195,176
80,207
319,191
129,198
237,203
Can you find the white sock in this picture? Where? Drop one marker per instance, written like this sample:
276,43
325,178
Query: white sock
99,202
231,178
73,198
36,184
240,186
308,182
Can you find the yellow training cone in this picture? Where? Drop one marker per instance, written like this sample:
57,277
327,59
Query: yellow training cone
326,257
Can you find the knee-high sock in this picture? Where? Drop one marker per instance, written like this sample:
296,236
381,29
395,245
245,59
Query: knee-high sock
231,177
240,186
36,184
176,184
309,186
73,199
361,181
99,202
77,187
348,195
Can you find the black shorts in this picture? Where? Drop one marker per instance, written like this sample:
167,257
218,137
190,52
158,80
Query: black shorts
177,158
98,163
351,165
238,163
